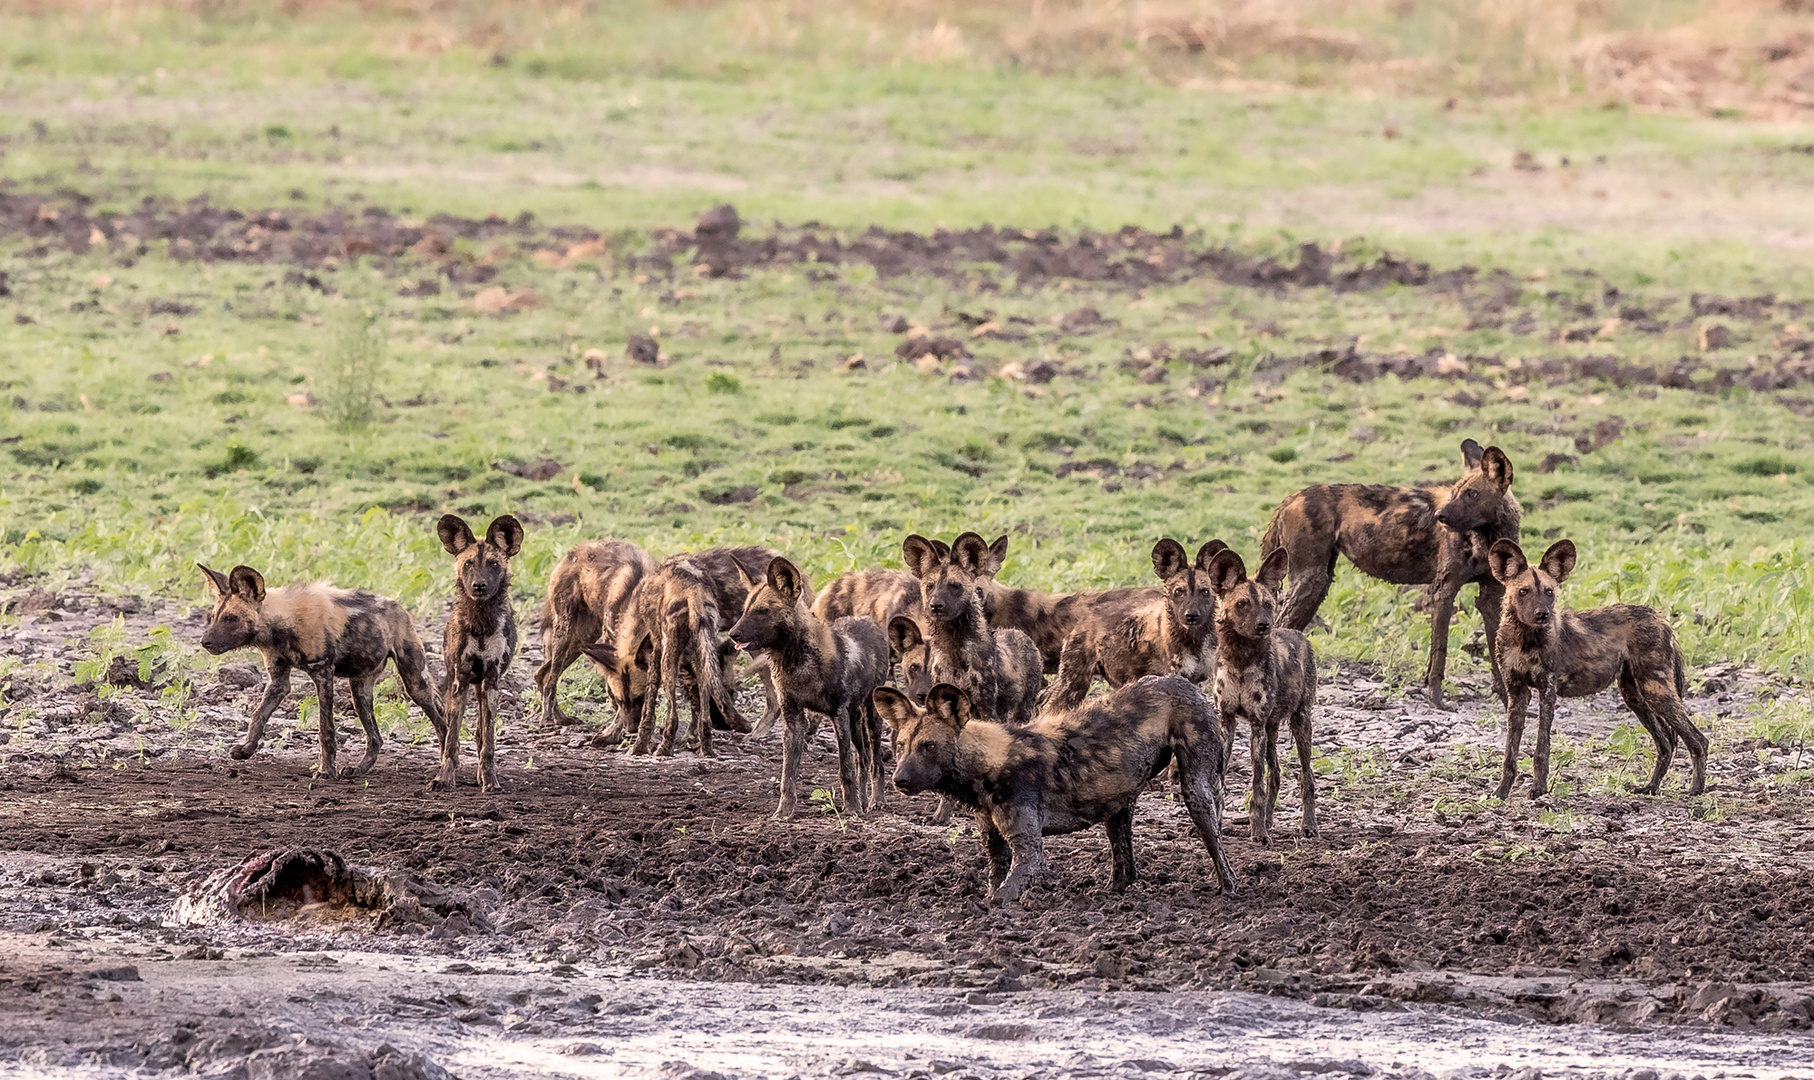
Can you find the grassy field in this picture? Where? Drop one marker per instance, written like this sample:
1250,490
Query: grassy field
160,408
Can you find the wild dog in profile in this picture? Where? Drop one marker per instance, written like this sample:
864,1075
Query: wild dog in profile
1265,674
679,610
830,668
480,640
729,569
1063,772
588,597
1001,670
1047,618
1164,631
1577,653
329,633
877,595
1409,536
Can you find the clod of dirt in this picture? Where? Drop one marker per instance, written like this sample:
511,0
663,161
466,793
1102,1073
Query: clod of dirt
289,883
542,469
718,223
643,350
1715,336
1552,462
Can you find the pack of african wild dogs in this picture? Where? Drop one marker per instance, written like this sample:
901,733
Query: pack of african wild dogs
945,669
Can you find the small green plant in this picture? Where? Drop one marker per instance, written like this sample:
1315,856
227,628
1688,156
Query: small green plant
824,797
349,377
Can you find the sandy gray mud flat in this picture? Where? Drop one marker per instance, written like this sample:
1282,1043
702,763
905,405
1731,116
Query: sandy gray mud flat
606,915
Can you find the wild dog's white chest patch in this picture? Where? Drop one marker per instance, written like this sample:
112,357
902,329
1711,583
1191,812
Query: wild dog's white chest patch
1190,665
1240,691
491,648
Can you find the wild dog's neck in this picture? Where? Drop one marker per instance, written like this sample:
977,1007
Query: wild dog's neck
1533,638
1182,638
965,625
487,612
976,753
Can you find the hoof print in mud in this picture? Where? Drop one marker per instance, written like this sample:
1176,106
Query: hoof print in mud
304,883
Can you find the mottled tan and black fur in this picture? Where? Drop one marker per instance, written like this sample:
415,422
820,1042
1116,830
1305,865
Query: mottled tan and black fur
1063,772
1577,653
1047,618
730,569
1265,675
588,596
830,668
876,595
1165,631
680,610
1409,536
480,640
329,633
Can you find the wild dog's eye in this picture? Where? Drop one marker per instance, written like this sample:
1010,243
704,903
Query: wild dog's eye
1242,603
1526,591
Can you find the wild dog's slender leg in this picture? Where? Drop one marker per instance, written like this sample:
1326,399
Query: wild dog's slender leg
561,645
1231,723
1310,580
1001,856
1121,848
1300,737
485,735
703,700
324,700
1442,611
1675,714
670,674
645,723
412,669
1199,782
1076,668
1259,821
793,748
873,720
1518,699
1274,772
1546,718
277,687
941,814
1020,825
368,719
1489,600
849,794
454,705
1660,730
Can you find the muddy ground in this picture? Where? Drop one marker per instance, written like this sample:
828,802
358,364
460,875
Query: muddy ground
1678,920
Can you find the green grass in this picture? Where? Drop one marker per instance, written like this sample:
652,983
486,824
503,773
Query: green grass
1702,507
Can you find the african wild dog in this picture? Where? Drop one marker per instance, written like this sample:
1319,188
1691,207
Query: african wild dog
1063,772
877,595
1047,618
1001,670
329,633
1409,536
1577,653
1265,673
480,641
1165,631
830,668
588,596
729,569
679,610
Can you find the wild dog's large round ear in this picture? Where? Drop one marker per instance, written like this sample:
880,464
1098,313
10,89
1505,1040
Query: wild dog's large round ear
247,583
998,554
1207,552
645,652
1559,561
785,578
1470,453
1226,571
1506,561
919,556
505,532
1497,466
892,706
1168,558
903,634
942,550
971,553
454,533
1272,569
601,652
949,704
217,581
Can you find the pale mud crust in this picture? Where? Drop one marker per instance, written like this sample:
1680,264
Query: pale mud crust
1685,926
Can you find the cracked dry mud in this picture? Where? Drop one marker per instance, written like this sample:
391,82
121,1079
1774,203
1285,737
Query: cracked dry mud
608,915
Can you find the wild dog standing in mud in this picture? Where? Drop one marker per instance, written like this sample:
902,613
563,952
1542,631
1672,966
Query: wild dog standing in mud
329,633
679,611
1063,772
1265,673
1577,653
830,668
1409,536
1164,631
729,569
588,596
480,640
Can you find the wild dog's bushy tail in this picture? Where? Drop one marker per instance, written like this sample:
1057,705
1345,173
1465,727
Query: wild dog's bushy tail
1275,533
1681,671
